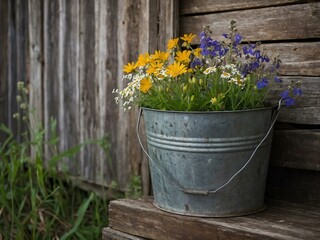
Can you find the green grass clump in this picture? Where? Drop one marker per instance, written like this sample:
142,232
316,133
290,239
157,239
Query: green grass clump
37,201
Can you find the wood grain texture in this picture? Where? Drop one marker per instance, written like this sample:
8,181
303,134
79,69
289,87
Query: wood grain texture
4,32
296,149
18,57
207,6
268,24
36,62
298,58
307,107
294,185
50,74
111,234
279,221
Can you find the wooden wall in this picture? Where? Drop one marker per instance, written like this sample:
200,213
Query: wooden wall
71,54
291,29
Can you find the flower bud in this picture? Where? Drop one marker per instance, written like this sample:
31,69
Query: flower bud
20,85
200,81
185,88
194,80
23,106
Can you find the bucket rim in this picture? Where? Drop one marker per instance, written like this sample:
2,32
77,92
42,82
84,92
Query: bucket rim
272,107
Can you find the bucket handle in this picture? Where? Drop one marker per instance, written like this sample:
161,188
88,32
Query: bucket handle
207,192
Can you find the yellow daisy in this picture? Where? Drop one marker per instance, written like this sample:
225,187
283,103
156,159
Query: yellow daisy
176,69
143,60
154,67
183,56
188,38
130,67
197,52
172,43
162,56
145,85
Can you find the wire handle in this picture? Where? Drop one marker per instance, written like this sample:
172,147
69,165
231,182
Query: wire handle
207,192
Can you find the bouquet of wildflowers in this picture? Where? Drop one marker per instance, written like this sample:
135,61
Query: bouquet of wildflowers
215,76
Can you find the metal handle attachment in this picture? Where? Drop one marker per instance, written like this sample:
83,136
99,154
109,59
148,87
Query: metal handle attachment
207,192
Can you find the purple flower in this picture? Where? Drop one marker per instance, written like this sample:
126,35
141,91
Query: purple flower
196,63
277,79
237,39
225,35
289,101
262,83
254,66
285,94
297,91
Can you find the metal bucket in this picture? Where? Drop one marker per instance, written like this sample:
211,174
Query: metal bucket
209,164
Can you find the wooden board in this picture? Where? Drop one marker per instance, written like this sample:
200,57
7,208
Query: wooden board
279,221
296,149
299,21
307,107
207,6
3,65
294,185
111,234
298,58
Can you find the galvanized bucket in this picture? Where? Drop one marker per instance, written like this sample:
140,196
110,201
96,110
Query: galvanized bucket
209,164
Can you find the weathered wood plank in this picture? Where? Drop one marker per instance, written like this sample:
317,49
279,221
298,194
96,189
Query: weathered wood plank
111,234
294,185
130,153
282,221
275,23
298,58
168,22
207,6
18,57
36,61
307,107
69,79
296,149
4,32
50,68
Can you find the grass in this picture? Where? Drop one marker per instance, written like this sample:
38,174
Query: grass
37,201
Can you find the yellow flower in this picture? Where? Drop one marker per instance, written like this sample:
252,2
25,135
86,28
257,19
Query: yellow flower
154,67
143,60
197,52
214,100
225,75
172,43
162,56
130,67
187,38
183,56
145,85
176,69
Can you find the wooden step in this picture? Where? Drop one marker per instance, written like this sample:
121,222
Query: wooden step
139,219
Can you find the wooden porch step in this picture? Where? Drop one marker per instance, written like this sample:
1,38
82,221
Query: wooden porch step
139,219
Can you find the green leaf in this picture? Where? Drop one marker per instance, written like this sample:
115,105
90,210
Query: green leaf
81,212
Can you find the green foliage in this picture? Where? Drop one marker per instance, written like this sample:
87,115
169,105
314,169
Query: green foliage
134,190
36,201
